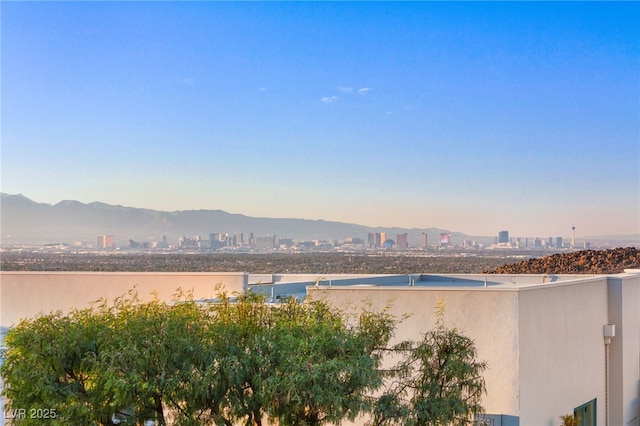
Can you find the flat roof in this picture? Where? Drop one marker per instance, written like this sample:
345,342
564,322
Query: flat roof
288,286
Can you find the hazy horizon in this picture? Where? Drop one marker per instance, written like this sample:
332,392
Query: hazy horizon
475,117
566,233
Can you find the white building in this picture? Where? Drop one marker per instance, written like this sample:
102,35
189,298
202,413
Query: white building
546,338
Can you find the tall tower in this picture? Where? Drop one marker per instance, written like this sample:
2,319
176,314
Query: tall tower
573,236
402,241
503,237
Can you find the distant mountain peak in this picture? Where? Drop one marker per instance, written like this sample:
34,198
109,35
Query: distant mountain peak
25,222
17,198
68,203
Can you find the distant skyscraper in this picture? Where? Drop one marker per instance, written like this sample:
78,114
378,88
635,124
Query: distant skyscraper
164,243
284,242
559,242
104,241
445,239
267,242
425,240
189,243
503,237
402,241
375,239
215,241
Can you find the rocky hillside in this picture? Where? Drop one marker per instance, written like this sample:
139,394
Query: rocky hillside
579,262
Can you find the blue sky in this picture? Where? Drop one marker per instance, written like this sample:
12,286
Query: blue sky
472,117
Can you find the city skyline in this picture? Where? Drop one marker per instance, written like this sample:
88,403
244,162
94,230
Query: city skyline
475,117
70,222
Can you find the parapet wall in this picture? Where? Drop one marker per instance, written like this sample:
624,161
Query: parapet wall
26,294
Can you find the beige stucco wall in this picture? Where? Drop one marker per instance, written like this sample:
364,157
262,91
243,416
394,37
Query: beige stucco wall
544,343
488,316
624,352
26,294
562,350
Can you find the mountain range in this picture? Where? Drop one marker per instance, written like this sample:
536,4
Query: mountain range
24,221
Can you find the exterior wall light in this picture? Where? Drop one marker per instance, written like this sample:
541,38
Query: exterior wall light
608,331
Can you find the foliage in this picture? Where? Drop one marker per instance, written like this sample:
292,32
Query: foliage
439,382
47,367
570,420
237,361
325,369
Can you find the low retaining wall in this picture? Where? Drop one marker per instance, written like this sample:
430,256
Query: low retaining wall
26,294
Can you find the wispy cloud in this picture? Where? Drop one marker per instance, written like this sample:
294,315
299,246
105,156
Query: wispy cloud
263,89
328,99
346,91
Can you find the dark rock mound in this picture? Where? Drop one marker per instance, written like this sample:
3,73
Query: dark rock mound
611,261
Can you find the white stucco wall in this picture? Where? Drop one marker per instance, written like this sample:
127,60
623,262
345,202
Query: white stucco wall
489,316
562,350
26,294
543,342
624,352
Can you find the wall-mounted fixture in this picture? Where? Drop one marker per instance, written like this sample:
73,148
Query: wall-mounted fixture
608,331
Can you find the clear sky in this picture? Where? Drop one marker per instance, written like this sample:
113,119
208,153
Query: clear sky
472,117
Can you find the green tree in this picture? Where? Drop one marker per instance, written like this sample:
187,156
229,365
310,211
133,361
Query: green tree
148,356
125,362
47,367
236,361
239,339
438,382
327,363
